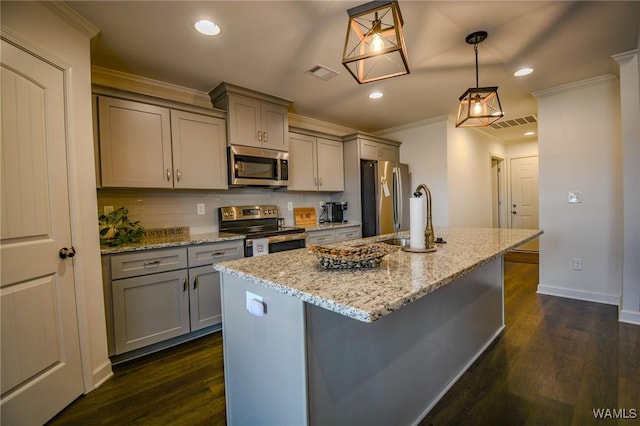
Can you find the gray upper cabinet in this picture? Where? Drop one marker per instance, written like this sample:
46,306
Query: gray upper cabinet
316,163
253,118
149,146
371,150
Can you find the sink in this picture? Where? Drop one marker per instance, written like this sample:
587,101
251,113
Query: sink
397,241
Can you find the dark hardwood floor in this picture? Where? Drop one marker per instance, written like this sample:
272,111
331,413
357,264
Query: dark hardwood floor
557,360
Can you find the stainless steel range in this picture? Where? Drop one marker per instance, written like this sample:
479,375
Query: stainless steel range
260,224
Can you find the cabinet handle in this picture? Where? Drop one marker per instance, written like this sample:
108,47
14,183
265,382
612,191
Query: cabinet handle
320,181
168,174
184,284
178,175
259,136
195,282
217,253
151,263
265,137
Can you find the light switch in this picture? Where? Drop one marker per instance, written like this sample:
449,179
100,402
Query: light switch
574,197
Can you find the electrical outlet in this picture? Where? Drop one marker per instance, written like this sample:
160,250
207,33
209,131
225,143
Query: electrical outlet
200,209
321,204
107,209
290,206
577,264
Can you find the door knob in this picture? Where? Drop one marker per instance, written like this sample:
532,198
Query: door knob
66,252
514,212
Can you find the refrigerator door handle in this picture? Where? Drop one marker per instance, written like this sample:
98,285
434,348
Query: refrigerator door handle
397,198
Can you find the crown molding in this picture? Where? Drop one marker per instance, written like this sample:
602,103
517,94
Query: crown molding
590,82
71,17
146,86
309,123
413,125
624,57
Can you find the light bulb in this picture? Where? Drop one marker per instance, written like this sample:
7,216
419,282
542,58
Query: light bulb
377,43
477,107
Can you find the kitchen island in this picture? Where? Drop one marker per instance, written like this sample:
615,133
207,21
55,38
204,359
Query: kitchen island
363,346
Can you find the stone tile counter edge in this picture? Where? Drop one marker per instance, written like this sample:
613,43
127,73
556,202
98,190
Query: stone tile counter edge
369,294
159,243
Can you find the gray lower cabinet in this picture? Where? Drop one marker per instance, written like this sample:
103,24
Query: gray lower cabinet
162,294
336,235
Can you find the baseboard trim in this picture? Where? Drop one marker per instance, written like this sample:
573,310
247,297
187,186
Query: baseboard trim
102,374
629,317
588,296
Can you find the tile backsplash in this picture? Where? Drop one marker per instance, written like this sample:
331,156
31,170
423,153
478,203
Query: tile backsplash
162,208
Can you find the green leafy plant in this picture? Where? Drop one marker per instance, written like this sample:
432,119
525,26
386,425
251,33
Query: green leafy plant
117,229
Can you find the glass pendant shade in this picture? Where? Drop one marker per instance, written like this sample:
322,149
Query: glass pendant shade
479,107
374,48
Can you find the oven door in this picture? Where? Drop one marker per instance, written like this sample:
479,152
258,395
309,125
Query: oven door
278,243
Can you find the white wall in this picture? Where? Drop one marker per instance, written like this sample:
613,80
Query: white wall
424,149
469,174
580,149
630,101
38,29
521,149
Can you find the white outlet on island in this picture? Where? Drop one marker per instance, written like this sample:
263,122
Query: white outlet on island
200,209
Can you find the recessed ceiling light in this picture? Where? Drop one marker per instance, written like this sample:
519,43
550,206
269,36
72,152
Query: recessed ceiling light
523,71
207,27
375,95
530,133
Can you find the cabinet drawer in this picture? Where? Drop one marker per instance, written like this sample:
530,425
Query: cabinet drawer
322,237
207,254
347,234
147,262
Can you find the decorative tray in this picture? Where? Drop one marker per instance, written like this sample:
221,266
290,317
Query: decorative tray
368,256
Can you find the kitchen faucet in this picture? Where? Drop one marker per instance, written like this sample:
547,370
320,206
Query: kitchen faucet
429,235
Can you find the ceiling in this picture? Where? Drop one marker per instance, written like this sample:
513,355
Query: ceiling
268,45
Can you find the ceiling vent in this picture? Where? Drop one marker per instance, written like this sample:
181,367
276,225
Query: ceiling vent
505,124
321,72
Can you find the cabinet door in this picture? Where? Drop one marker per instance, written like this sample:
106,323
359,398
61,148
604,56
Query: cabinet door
275,127
199,147
244,121
345,234
135,144
302,163
204,297
321,237
370,150
150,309
330,165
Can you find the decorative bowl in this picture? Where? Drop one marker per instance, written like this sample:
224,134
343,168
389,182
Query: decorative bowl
367,256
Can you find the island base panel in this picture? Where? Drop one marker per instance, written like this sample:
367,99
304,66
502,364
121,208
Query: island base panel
394,370
264,357
301,364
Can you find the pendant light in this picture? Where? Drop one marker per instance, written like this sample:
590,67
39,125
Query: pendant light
374,48
479,106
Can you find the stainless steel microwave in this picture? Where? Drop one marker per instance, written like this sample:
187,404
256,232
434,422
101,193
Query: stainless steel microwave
250,166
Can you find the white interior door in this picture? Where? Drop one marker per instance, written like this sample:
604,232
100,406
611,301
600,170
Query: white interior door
524,196
41,369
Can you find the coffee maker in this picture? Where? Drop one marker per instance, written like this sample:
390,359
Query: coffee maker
335,211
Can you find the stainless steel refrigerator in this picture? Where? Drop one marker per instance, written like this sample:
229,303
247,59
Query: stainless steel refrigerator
385,189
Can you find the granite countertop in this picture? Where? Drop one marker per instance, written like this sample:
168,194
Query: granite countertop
369,294
175,241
